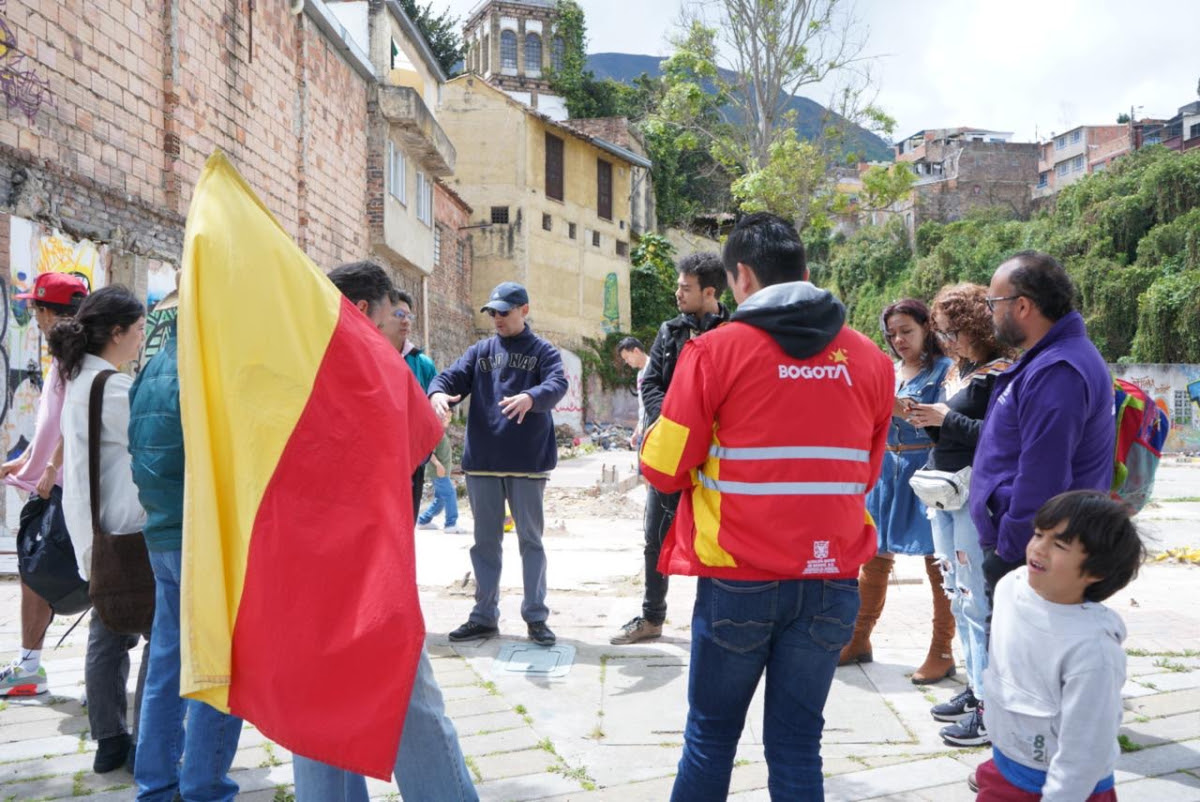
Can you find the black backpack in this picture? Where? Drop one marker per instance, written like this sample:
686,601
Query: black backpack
46,558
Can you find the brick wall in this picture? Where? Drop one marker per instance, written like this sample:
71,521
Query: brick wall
140,92
451,307
984,174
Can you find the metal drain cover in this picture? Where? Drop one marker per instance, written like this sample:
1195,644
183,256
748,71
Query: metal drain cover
529,658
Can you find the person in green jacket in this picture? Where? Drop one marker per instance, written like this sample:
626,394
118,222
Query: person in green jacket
397,327
174,759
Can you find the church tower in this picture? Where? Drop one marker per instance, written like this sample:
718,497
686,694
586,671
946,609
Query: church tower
512,44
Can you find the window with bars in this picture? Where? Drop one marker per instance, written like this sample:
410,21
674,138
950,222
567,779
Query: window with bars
622,248
554,167
424,199
595,239
508,51
461,256
604,189
500,215
533,54
437,246
1182,412
558,52
397,173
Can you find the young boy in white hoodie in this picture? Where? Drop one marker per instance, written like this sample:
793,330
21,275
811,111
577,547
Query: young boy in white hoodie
1056,665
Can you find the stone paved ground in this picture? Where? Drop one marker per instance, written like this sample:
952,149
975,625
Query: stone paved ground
611,728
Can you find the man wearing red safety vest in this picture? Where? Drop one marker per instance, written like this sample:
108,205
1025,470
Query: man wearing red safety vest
774,428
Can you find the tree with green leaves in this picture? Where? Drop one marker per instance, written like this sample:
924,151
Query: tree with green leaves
775,49
441,32
686,178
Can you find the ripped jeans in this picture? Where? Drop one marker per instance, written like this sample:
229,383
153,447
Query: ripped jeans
956,546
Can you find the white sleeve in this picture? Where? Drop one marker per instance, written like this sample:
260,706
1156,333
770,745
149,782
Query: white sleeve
1091,717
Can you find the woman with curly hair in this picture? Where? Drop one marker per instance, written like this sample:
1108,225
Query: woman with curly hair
964,325
900,518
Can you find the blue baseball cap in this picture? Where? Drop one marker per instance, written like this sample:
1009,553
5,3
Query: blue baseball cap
506,296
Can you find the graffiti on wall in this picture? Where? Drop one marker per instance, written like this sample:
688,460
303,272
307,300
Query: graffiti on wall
612,303
163,303
1169,386
35,249
23,88
569,409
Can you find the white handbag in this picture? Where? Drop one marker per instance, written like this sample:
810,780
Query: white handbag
943,490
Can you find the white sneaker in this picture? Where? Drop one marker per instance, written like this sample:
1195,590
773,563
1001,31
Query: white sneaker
430,525
456,530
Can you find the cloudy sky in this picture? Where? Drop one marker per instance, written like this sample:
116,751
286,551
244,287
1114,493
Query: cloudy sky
1028,66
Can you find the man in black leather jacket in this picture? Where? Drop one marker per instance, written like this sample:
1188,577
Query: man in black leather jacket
701,282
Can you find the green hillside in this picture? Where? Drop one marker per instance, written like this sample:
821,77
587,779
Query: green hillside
1129,236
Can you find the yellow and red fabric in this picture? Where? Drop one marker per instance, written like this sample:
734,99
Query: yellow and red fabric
302,424
774,456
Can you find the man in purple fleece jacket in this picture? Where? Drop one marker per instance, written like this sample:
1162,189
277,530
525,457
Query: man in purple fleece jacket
1050,424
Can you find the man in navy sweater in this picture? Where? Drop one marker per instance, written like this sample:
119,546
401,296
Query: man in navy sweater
515,378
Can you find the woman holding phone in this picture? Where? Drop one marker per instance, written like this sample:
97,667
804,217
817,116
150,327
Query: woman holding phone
963,324
900,518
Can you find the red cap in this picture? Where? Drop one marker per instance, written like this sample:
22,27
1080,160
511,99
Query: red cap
55,288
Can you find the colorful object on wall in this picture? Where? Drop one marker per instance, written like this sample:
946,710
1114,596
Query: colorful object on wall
1174,388
34,249
280,581
612,303
22,87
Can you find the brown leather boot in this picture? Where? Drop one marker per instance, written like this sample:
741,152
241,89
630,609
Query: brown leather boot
872,592
939,663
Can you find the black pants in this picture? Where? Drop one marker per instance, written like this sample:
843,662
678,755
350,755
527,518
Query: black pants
105,675
418,489
660,513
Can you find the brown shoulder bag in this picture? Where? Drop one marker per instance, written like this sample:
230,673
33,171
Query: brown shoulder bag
122,582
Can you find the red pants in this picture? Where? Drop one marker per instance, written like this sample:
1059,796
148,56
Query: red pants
994,788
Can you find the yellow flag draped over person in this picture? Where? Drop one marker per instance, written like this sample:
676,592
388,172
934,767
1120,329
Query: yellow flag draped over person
301,427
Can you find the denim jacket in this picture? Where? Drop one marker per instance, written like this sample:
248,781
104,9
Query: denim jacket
924,388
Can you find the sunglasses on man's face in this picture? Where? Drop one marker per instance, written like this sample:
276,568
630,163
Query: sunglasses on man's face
494,312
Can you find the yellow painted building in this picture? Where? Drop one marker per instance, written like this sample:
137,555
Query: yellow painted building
552,210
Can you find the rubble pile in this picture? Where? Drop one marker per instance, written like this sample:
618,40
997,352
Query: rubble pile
609,436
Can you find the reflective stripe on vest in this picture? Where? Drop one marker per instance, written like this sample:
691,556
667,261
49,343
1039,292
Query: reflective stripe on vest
783,488
791,452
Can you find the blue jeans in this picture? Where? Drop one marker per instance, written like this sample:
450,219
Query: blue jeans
444,496
210,739
956,546
794,631
429,764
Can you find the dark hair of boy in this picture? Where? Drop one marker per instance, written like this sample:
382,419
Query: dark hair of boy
100,314
769,246
362,281
707,269
629,344
1040,278
1106,531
